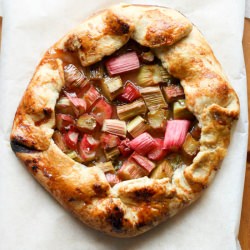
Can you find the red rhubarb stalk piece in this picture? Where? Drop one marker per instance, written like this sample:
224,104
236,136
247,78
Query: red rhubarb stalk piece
87,147
175,134
122,63
112,179
64,122
130,93
101,111
91,96
125,148
79,105
71,139
157,153
143,143
109,141
143,161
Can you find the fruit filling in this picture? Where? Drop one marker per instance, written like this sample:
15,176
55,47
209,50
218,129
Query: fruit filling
125,115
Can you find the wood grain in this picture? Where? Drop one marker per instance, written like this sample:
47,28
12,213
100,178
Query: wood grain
244,234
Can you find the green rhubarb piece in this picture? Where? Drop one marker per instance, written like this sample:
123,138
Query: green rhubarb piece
74,156
106,166
157,119
190,147
162,170
131,110
153,98
86,123
111,153
112,87
115,127
151,75
181,111
137,126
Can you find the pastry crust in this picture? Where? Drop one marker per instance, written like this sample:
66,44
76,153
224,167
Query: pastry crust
130,207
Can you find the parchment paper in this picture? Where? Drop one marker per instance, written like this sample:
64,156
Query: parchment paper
30,218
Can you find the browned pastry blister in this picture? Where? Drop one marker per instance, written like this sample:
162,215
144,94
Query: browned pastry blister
134,206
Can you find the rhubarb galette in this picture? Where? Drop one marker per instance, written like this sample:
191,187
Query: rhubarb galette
126,119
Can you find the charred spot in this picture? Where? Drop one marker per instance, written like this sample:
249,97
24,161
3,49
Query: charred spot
115,218
71,199
144,194
34,168
18,146
100,190
47,112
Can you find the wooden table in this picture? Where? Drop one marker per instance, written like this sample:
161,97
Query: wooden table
244,234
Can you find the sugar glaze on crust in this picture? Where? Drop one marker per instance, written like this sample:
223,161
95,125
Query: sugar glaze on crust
131,207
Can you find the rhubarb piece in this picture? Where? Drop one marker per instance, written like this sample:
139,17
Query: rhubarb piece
176,160
115,127
96,71
158,153
144,162
196,132
101,111
71,139
106,166
75,156
91,96
73,76
122,63
151,75
87,148
157,119
125,148
131,110
59,141
64,106
78,104
163,170
147,57
137,126
109,141
173,92
131,170
64,122
175,134
143,143
112,179
86,123
111,153
181,111
130,93
153,98
190,146
112,87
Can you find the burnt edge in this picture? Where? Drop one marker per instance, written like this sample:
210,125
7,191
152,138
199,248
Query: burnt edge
18,147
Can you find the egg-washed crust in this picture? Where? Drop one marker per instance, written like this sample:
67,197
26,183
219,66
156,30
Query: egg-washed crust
130,207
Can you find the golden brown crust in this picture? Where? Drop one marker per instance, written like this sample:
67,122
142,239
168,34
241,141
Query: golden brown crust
131,207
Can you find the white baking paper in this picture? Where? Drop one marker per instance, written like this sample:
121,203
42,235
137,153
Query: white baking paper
247,12
31,219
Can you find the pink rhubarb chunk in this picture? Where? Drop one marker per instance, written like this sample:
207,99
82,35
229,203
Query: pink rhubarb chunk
122,63
157,153
175,134
144,162
112,178
143,143
130,93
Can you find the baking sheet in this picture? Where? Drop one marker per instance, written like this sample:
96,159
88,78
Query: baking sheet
30,218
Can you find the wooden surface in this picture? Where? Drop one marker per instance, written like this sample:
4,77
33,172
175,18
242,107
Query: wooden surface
244,234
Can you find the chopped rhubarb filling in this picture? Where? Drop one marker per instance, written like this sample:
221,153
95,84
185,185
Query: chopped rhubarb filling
122,63
126,115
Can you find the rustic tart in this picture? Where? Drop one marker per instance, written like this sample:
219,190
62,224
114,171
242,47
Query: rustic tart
126,119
